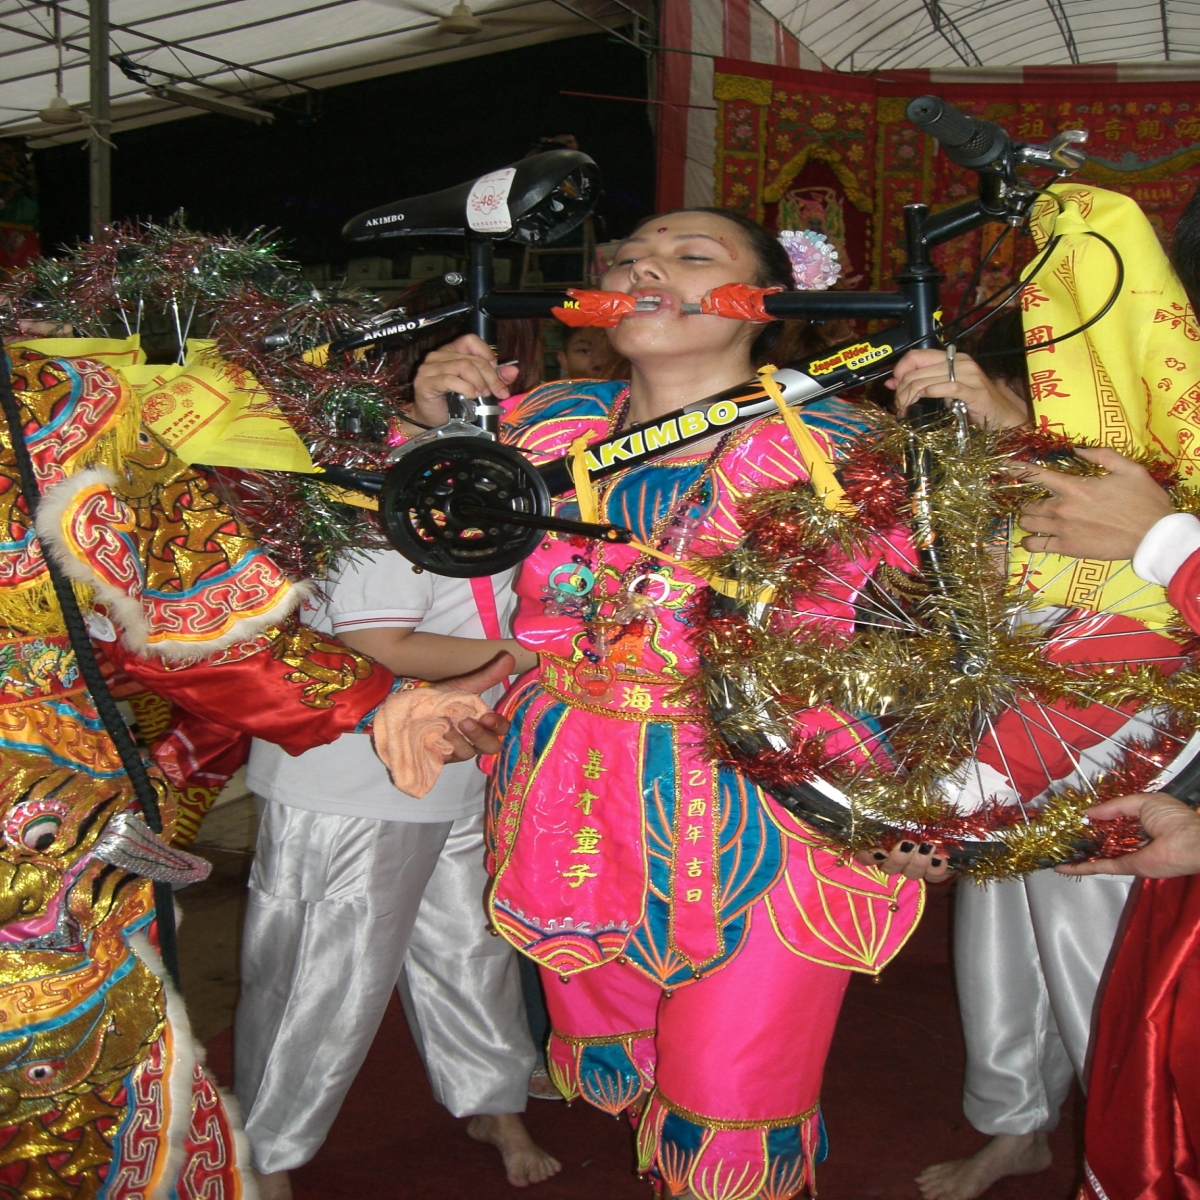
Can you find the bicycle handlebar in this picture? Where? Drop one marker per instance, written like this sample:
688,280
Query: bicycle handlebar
969,141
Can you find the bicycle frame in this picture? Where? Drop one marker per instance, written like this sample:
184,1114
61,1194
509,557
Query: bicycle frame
830,373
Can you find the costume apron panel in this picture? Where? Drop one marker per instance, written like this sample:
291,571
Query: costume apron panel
614,832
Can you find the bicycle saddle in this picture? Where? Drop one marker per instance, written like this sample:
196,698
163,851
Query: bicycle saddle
539,199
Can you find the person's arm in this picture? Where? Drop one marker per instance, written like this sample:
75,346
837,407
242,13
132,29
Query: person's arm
1125,514
376,602
293,686
1172,827
432,656
1096,516
989,402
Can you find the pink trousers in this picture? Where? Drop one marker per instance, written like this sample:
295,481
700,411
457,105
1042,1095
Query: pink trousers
724,1074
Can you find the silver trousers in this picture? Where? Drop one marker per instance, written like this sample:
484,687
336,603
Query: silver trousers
1029,955
341,910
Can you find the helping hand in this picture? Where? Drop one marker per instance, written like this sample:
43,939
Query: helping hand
1093,516
925,861
416,732
1173,829
989,402
466,366
483,735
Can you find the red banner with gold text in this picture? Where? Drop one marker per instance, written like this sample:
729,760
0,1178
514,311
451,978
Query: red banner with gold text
806,149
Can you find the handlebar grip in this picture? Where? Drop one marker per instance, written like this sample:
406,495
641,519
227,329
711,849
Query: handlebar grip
941,120
968,141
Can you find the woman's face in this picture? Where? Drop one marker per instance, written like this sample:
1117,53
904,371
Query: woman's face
680,258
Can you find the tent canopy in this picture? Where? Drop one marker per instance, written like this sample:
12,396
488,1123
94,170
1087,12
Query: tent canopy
271,52
257,53
875,35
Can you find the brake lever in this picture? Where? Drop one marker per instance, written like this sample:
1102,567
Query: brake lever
1064,152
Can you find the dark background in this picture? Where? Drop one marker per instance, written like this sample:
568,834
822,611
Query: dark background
370,143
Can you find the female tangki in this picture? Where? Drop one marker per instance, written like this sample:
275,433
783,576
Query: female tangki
695,939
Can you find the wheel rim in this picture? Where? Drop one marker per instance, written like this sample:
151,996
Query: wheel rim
1065,719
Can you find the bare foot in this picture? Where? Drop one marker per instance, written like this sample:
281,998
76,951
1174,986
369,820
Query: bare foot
524,1162
965,1178
541,1086
274,1186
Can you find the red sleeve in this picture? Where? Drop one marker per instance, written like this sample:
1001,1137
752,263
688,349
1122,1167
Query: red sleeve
1184,591
295,686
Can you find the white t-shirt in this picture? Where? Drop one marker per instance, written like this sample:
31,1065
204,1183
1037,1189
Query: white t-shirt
345,777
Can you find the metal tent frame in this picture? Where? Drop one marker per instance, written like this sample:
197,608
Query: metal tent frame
878,35
119,64
123,63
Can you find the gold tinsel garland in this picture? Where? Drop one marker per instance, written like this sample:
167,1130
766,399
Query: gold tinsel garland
936,659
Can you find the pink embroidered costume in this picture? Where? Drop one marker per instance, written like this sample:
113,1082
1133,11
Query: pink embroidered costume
695,938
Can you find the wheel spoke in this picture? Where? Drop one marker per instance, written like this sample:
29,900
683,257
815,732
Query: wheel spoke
1070,750
1183,741
873,735
1024,719
1126,747
1004,763
882,613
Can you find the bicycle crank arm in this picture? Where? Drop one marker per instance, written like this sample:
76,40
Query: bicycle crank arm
371,482
615,534
354,479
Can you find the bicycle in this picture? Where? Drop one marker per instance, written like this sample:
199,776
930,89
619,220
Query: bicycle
457,502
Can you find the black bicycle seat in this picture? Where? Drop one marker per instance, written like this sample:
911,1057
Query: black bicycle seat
536,200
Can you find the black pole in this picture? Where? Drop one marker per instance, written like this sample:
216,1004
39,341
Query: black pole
481,278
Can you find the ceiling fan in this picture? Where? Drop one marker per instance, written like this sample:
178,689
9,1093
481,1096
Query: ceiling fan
462,21
59,111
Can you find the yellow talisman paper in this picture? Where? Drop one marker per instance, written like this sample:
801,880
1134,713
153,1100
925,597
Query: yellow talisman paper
215,414
1131,381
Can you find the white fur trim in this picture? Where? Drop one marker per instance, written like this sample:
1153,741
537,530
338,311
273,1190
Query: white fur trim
180,1070
128,612
245,1165
186,1056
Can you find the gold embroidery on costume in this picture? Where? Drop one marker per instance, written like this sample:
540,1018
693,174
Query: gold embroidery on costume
295,648
96,1047
713,1123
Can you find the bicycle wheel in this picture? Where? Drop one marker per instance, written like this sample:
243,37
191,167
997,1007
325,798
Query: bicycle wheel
885,672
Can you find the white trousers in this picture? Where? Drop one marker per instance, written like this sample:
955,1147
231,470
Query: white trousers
341,910
1029,955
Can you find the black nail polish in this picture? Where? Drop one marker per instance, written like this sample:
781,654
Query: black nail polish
878,855
925,848
937,862
907,847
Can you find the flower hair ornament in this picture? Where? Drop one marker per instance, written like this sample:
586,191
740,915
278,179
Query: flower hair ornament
815,265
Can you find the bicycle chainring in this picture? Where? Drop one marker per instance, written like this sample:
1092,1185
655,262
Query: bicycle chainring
426,489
